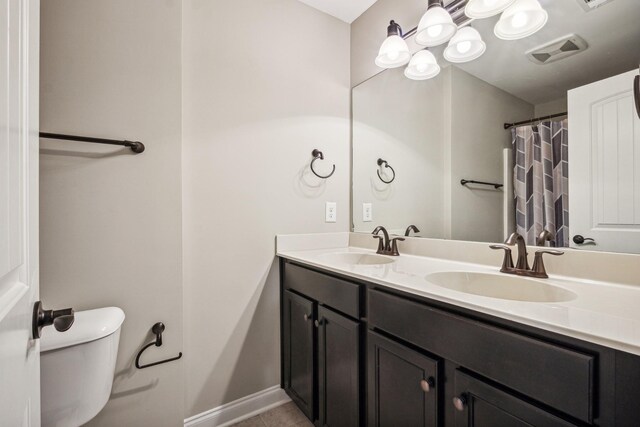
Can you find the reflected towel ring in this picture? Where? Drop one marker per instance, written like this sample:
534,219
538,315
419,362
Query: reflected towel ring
317,154
386,165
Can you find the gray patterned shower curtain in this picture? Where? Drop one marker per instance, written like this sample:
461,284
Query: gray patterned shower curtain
540,181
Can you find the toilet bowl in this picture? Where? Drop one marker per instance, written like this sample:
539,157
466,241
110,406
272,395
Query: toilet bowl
77,367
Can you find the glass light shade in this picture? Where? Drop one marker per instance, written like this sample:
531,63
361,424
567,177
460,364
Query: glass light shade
393,53
423,66
435,27
465,46
480,9
521,19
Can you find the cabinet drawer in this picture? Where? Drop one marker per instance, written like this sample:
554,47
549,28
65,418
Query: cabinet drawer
550,374
339,294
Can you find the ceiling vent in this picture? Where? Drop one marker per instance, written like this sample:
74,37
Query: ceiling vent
591,4
558,49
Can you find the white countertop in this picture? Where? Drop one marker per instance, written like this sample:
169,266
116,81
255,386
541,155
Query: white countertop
607,314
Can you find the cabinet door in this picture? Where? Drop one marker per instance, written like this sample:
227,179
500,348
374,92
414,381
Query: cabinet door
481,405
338,369
402,385
299,351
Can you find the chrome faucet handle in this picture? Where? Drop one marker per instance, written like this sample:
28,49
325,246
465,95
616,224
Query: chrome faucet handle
394,246
507,262
538,269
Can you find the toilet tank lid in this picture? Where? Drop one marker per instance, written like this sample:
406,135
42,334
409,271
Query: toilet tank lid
89,325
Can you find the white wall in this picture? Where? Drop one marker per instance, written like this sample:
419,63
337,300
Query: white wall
401,121
110,220
264,83
478,113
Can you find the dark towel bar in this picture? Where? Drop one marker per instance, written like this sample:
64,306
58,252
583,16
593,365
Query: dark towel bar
493,184
136,146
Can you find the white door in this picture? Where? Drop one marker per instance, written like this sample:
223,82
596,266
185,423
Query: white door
19,358
604,165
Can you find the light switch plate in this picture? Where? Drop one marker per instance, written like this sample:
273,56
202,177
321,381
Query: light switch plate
330,212
367,212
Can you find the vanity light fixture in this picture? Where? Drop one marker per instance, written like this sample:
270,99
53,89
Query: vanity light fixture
522,19
479,9
423,66
436,26
394,51
466,45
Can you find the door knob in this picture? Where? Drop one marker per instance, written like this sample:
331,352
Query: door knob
460,402
62,320
580,240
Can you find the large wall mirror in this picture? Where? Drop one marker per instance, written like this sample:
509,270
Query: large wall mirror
540,134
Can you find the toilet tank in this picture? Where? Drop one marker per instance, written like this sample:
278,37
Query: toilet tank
77,367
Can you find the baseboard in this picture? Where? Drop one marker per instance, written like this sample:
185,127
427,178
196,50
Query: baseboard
241,409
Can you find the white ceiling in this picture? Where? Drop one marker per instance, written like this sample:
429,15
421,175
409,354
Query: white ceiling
345,10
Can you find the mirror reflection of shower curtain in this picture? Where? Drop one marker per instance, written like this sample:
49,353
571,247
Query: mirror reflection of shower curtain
540,180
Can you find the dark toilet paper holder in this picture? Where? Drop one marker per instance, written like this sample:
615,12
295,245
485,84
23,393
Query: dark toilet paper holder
157,330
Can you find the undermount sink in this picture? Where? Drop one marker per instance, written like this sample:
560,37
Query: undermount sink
500,286
354,258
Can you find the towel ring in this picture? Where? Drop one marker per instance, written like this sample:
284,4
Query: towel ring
317,154
386,165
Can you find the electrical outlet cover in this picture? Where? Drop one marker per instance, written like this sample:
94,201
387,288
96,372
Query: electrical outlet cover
367,212
331,214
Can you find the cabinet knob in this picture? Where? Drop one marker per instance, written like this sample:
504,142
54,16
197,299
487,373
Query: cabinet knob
307,317
317,323
460,402
427,384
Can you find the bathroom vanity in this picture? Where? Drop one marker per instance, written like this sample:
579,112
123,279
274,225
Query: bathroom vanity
378,345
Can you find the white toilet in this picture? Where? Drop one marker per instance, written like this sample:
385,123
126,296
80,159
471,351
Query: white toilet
77,367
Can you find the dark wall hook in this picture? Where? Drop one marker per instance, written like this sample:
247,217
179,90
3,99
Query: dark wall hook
386,165
157,330
317,154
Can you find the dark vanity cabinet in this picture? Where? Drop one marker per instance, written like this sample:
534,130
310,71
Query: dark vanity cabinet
321,346
402,385
357,353
299,350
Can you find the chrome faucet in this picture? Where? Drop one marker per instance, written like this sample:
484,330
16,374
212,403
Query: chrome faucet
410,229
386,245
522,264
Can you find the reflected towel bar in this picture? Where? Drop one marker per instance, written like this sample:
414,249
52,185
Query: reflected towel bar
136,146
493,184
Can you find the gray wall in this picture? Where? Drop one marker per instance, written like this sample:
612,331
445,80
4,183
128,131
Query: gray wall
110,221
401,121
265,82
478,112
